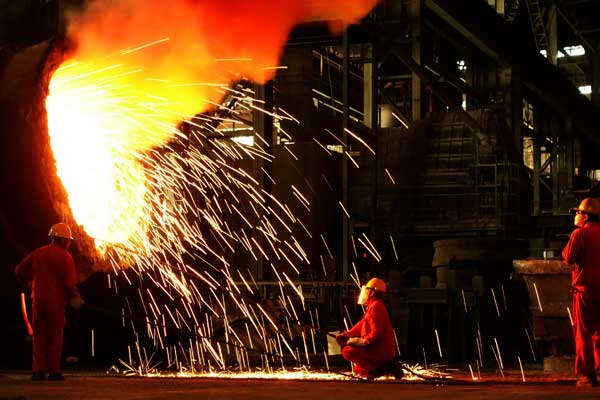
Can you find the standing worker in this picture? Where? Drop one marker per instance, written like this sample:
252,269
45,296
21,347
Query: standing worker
51,270
583,253
370,344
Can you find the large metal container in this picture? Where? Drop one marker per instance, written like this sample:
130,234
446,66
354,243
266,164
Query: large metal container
549,286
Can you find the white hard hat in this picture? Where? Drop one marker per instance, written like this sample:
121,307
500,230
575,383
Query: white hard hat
375,284
61,230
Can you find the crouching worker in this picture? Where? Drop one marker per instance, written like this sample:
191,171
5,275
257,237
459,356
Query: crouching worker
51,271
370,344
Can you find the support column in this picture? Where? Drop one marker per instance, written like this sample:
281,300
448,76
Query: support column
595,61
263,136
369,91
345,125
516,107
552,33
537,161
375,131
414,14
569,170
555,165
513,100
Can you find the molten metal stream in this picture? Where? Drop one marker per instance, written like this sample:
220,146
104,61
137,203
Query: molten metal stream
88,138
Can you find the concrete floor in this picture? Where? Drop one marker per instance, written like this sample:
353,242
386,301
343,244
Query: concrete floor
16,385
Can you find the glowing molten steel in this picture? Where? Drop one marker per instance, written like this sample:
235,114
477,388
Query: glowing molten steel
104,117
101,121
93,135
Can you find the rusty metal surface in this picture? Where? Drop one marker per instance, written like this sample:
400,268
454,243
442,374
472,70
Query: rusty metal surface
549,287
541,266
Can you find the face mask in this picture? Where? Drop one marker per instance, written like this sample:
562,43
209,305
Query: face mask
363,296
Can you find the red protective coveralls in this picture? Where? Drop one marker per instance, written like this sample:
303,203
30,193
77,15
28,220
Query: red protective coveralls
375,328
52,271
583,252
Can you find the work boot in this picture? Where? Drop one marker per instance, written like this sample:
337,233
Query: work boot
56,377
398,371
394,369
38,376
376,373
587,381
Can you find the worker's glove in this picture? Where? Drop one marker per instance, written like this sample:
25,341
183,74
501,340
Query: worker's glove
341,339
77,303
356,342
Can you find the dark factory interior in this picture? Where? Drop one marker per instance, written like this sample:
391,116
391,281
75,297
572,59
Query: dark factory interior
435,144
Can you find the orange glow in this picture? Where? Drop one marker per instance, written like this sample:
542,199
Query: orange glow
101,120
140,67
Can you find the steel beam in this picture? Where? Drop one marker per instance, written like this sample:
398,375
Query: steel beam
263,170
427,78
374,231
495,37
595,68
345,126
552,32
415,32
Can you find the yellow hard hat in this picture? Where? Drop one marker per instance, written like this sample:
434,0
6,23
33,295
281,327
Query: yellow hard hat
61,230
588,206
377,284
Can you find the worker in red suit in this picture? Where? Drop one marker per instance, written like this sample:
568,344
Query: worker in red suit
51,270
583,253
370,344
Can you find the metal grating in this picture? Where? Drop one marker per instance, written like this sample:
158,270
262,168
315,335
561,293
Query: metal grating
537,24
